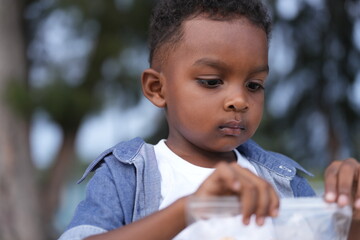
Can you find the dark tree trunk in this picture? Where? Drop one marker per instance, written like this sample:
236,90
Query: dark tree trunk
20,217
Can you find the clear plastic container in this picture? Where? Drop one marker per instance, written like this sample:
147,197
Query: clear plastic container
299,218
220,218
312,219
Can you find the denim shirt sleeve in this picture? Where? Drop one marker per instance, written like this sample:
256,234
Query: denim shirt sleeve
100,211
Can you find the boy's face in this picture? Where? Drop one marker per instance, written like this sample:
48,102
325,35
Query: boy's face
213,85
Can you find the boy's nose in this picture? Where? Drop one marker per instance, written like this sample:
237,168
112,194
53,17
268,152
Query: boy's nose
236,103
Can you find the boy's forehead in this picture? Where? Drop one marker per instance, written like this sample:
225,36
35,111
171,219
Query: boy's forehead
205,33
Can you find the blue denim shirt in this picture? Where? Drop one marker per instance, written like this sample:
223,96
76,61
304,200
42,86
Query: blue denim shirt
126,185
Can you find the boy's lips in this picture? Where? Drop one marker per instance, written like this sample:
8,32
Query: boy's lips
233,128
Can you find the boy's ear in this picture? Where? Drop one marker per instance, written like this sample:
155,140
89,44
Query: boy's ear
153,87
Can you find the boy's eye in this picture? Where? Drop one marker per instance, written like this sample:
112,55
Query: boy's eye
254,86
210,83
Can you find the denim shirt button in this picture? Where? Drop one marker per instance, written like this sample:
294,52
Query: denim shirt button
285,168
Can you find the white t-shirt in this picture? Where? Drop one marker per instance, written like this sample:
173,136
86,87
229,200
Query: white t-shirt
180,178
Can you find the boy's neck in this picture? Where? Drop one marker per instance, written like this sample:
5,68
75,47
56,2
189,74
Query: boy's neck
200,157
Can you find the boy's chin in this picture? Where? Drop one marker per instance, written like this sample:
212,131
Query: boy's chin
227,146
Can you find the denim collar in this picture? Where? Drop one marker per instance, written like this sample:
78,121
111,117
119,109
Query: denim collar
272,161
275,162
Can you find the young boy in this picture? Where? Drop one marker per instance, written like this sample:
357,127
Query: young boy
208,66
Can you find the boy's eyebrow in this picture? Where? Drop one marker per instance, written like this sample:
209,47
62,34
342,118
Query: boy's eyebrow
223,66
211,63
264,68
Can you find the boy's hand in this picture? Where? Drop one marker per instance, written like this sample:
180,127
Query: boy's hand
342,184
255,194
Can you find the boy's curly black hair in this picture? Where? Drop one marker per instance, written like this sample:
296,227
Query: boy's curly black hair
167,17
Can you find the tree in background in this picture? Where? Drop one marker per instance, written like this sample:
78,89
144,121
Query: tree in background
19,201
68,85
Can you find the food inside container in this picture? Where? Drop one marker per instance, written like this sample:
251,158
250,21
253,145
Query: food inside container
219,218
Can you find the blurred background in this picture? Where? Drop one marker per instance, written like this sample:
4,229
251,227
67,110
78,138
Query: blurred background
70,88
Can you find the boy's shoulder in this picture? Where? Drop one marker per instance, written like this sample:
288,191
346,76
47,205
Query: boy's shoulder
125,152
271,160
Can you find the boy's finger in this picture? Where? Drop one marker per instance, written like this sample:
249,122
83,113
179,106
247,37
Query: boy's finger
255,196
248,193
222,181
357,194
248,198
331,181
230,177
268,203
267,200
356,190
356,212
263,201
345,183
274,203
